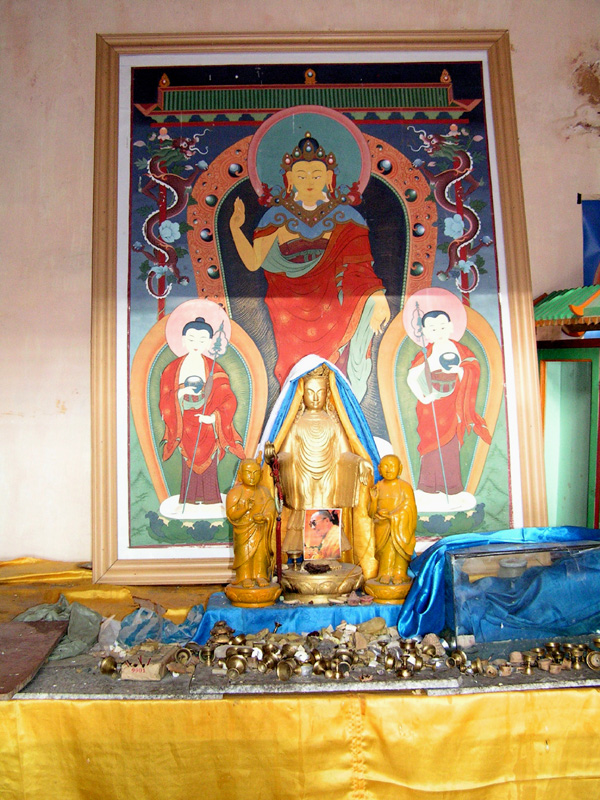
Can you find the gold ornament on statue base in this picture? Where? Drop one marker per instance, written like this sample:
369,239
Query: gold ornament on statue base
250,508
392,507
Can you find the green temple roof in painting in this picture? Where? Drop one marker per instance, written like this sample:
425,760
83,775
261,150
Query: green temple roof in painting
255,103
579,306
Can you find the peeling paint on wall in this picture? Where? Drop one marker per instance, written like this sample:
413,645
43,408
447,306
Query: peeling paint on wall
586,82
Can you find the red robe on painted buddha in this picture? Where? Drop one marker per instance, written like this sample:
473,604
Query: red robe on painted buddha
455,416
317,287
183,430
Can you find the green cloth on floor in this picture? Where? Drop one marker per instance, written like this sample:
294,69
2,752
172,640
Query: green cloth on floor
82,633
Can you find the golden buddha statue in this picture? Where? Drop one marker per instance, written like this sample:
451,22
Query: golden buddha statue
392,507
250,508
323,465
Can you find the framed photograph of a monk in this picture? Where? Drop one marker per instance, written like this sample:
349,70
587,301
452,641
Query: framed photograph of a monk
260,204
323,537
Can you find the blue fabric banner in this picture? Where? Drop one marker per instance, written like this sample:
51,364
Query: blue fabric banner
590,210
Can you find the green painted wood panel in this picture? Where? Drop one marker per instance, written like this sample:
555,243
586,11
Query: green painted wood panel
570,381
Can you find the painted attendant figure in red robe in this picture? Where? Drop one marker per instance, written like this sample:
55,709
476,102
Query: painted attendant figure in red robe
197,406
444,377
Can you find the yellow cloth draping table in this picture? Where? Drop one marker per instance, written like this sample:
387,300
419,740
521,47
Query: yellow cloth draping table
525,745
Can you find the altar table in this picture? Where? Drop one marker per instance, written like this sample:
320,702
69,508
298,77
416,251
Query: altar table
520,745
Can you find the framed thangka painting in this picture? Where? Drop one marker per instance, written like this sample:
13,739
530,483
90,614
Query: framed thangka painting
257,206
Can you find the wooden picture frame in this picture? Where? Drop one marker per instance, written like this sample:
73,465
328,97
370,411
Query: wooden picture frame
114,559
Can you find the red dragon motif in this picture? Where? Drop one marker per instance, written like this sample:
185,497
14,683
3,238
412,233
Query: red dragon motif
463,247
161,182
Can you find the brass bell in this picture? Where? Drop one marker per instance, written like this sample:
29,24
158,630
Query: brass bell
389,662
284,670
183,655
108,666
270,661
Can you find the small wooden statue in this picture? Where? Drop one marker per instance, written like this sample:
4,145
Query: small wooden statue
392,507
250,508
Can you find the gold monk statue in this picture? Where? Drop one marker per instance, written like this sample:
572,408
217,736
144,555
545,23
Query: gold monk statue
392,507
324,466
250,508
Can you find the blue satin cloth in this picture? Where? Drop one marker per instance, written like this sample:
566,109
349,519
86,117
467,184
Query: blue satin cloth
291,619
516,613
563,599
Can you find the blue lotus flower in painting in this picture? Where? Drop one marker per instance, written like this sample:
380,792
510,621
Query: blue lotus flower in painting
454,226
169,231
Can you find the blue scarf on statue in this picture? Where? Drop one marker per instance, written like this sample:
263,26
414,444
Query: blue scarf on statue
349,401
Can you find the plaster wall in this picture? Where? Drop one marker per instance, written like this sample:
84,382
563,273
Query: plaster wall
47,63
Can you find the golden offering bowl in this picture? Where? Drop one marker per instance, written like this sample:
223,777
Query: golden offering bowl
236,662
593,660
318,589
